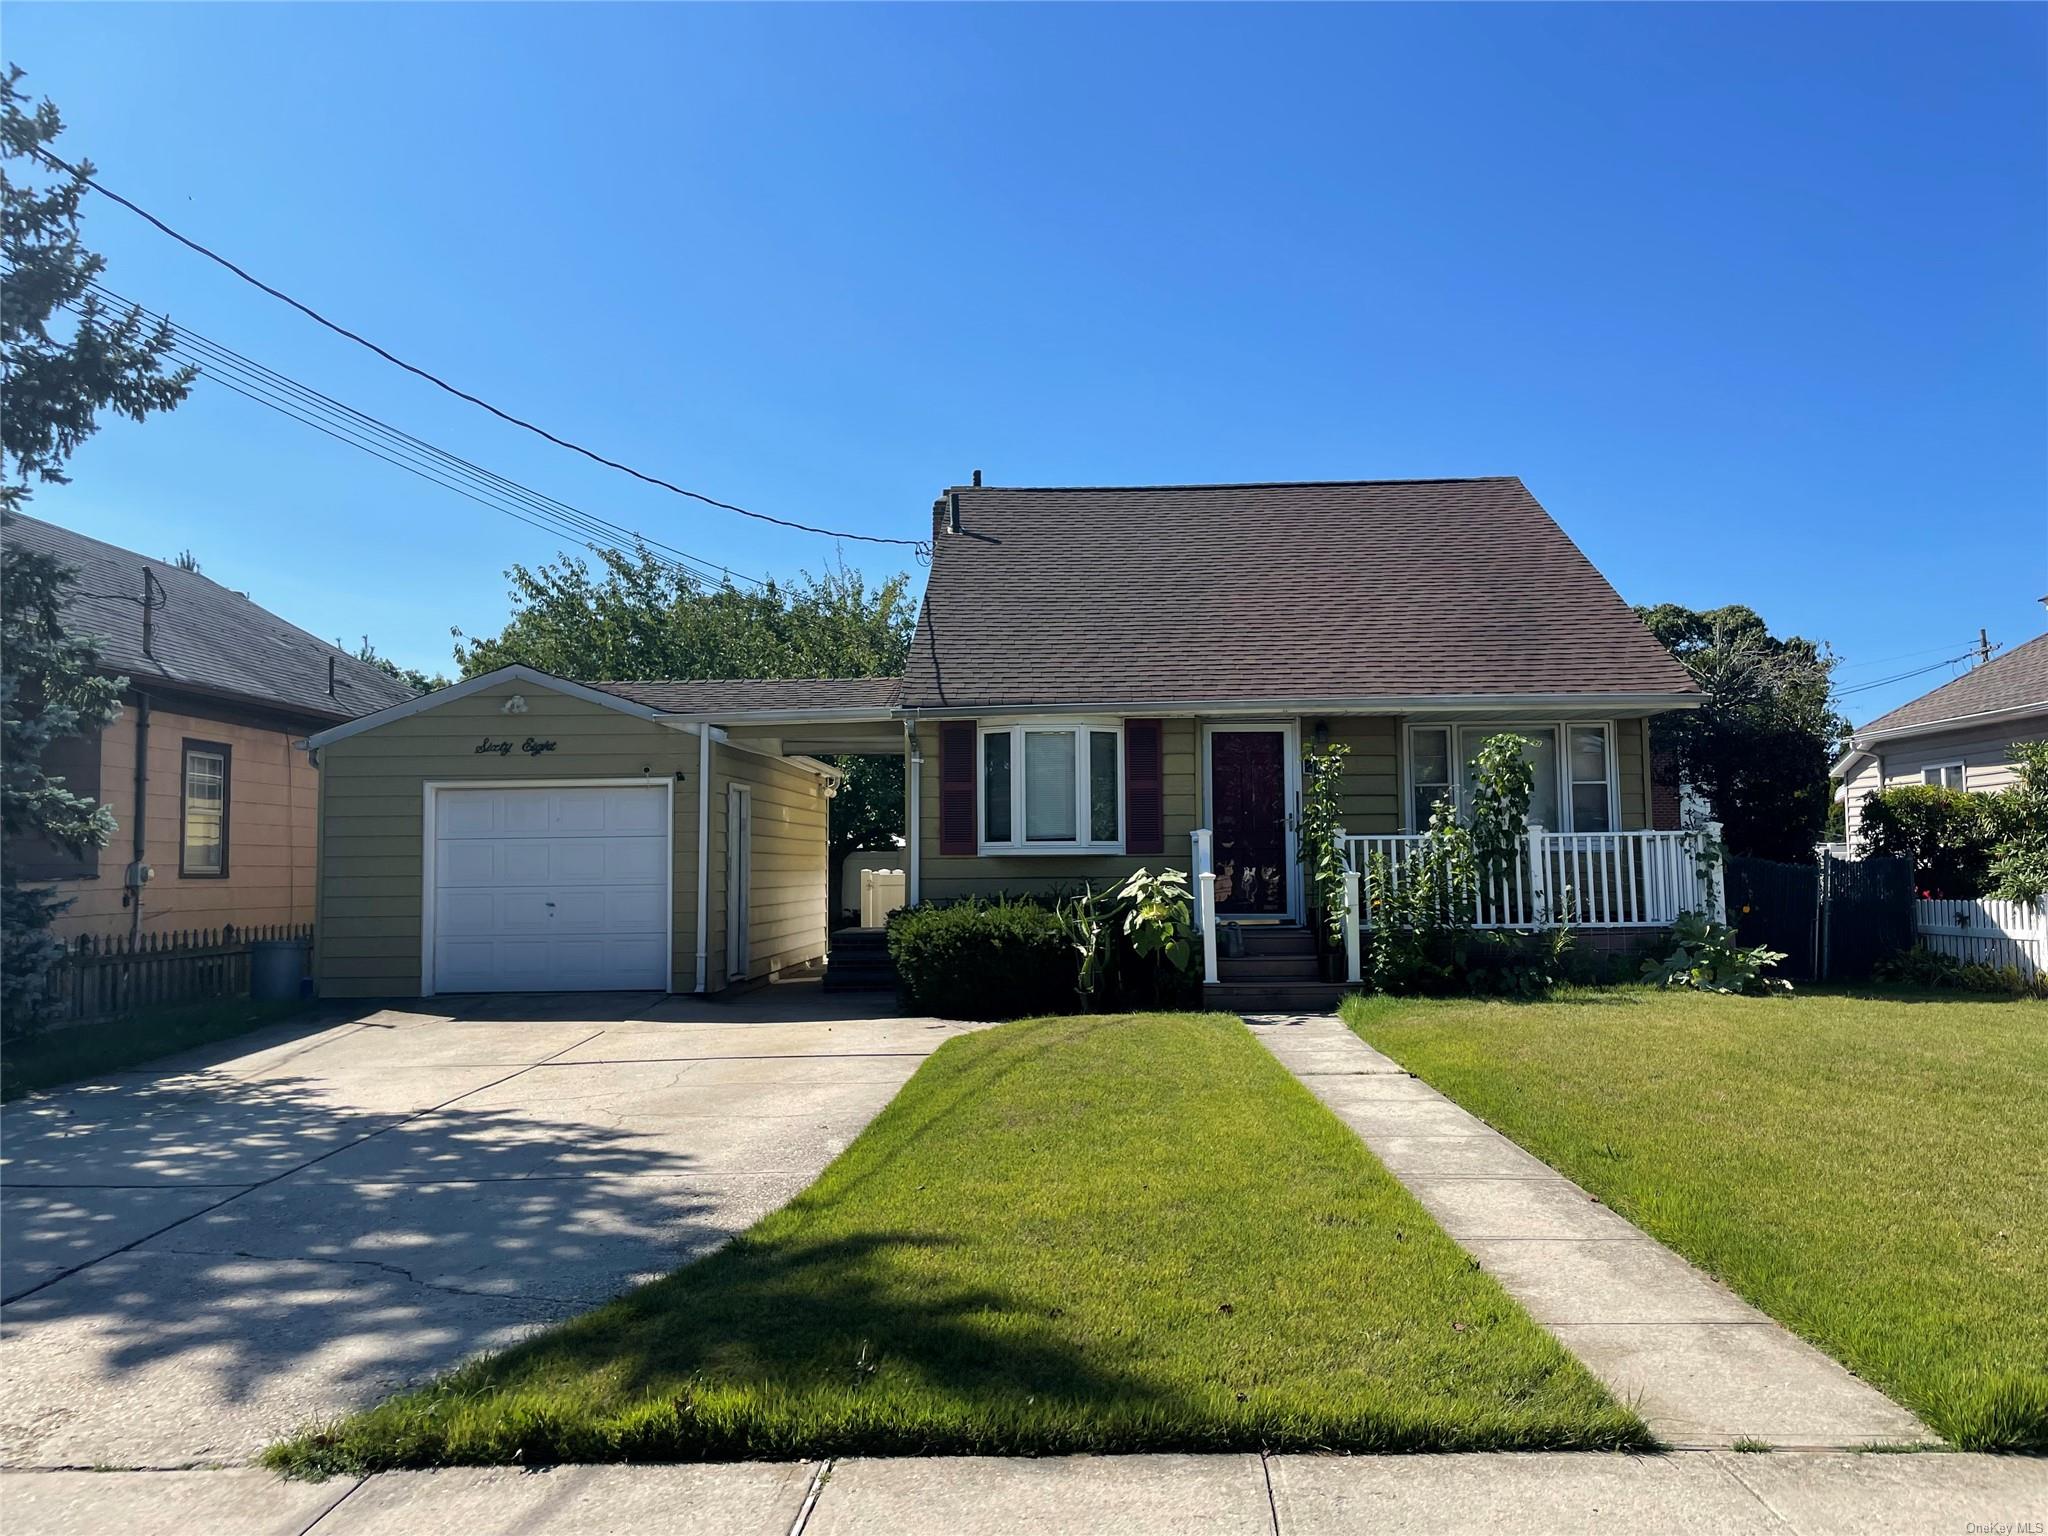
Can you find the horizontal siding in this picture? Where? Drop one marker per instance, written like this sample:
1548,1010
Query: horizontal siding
273,794
1370,791
1631,753
372,796
787,917
1986,754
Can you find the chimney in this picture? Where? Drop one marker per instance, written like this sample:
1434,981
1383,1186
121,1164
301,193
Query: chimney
953,511
977,479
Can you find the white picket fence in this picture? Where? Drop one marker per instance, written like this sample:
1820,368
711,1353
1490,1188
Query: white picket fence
1999,933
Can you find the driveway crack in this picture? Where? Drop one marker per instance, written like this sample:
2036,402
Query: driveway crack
446,1287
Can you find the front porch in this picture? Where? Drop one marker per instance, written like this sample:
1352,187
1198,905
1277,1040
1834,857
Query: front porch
1607,883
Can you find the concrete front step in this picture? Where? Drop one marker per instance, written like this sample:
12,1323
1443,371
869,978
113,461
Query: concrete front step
859,961
1273,996
1270,968
1274,938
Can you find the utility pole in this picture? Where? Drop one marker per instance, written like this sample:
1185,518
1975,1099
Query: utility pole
1983,647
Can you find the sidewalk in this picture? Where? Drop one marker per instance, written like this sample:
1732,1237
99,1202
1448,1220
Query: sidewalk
1537,1494
1703,1367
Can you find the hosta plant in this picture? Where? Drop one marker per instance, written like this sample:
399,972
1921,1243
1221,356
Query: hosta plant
1707,957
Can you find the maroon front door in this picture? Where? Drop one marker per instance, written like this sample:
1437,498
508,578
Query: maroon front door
1248,794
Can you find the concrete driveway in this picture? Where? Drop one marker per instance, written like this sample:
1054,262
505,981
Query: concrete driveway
201,1257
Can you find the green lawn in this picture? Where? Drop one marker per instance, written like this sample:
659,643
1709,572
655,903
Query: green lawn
1872,1172
1076,1234
66,1055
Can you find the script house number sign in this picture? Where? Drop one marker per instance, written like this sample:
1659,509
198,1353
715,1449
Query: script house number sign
533,746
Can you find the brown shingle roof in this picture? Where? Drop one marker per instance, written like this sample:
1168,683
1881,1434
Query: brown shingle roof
1213,593
746,694
204,636
2013,681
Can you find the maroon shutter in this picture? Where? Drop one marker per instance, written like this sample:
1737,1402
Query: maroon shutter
956,787
1144,787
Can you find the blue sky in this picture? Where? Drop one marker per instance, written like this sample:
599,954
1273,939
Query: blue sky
1752,297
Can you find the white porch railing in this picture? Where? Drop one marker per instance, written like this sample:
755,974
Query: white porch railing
1587,879
1999,933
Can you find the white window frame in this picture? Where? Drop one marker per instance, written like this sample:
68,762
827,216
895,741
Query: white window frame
1558,730
1018,846
1941,772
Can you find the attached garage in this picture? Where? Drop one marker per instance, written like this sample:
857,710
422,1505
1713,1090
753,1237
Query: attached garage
521,832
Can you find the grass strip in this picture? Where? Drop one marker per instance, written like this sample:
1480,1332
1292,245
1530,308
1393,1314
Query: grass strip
1075,1234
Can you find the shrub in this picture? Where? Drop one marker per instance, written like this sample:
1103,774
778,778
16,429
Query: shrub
1422,942
1705,955
1923,967
1948,834
983,960
2019,858
1919,967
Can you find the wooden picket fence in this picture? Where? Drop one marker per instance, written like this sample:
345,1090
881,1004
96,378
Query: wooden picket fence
100,978
1998,933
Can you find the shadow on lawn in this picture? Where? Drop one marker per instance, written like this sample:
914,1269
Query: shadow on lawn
863,1311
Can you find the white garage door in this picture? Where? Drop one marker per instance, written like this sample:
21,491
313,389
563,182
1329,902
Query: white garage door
551,890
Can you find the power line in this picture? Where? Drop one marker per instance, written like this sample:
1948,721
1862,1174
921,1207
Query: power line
1885,682
1850,666
922,546
266,386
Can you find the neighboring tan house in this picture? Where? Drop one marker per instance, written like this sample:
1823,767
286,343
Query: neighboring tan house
220,695
1101,679
1961,735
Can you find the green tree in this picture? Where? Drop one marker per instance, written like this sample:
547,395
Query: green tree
635,617
64,359
413,678
2019,862
49,687
1759,746
59,379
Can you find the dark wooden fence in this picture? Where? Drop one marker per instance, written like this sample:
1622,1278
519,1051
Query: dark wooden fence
1833,918
99,978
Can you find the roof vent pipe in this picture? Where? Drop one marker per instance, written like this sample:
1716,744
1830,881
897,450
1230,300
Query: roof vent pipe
953,511
977,479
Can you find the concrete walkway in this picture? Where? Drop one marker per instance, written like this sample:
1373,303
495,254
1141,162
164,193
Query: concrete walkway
1246,1495
1703,1367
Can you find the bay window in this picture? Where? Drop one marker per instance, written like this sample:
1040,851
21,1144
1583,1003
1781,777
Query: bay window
1572,767
1052,785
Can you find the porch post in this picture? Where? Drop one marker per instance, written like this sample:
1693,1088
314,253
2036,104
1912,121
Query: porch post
1353,966
913,772
1539,877
1208,912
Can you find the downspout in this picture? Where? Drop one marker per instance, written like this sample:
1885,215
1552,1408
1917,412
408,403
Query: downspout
140,819
703,850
